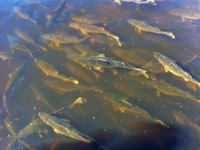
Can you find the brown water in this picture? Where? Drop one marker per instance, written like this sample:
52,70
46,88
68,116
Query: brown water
97,118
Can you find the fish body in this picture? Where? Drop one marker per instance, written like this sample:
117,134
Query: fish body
57,39
102,39
129,89
137,1
185,14
69,87
49,70
171,90
13,77
62,127
90,19
36,125
11,126
129,56
65,48
154,67
22,14
123,105
98,63
174,68
80,72
26,38
88,28
141,25
40,96
85,50
18,44
7,55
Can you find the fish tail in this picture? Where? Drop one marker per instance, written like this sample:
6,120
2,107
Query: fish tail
73,80
4,103
86,37
97,89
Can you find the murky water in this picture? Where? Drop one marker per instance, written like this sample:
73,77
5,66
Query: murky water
111,125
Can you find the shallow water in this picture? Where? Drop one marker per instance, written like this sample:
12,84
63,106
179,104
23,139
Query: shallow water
97,118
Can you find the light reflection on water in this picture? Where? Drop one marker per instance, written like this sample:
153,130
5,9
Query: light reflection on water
97,118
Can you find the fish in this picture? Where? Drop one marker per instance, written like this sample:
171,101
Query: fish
141,25
137,1
129,56
12,127
170,90
49,70
80,72
185,14
85,50
122,104
88,28
174,68
57,39
18,44
102,39
65,48
154,67
90,19
7,55
75,57
10,83
62,127
22,14
100,61
13,77
38,125
26,38
55,13
40,96
69,87
130,90
34,126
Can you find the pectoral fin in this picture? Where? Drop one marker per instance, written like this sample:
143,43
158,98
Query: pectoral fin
84,54
158,93
84,32
57,43
166,70
139,31
183,18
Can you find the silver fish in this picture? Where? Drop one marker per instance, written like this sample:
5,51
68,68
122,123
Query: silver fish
174,68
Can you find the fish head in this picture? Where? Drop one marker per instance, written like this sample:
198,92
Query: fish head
43,115
74,25
157,55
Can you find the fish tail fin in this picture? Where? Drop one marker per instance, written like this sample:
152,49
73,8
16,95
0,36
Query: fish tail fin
97,89
87,37
73,80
